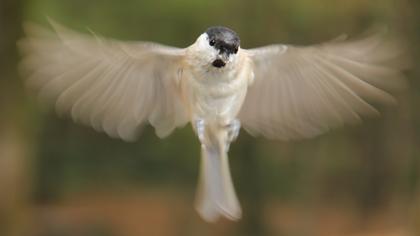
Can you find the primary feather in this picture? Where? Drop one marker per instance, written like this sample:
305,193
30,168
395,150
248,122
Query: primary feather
301,92
113,86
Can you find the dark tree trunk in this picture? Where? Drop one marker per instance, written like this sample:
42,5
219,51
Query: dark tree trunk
13,147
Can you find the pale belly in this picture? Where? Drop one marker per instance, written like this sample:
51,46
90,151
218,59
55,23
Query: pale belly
216,100
218,107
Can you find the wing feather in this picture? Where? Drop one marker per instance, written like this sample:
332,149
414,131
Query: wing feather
301,92
110,85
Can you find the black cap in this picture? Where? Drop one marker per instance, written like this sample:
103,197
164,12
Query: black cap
223,39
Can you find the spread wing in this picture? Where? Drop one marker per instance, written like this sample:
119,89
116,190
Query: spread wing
301,92
113,86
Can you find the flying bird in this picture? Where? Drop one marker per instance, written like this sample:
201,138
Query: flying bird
281,92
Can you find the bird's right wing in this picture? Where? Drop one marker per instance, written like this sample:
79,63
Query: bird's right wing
111,85
301,92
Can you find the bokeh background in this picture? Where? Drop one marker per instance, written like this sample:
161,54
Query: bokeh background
58,178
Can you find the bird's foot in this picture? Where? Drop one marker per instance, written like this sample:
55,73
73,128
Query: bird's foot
233,131
200,129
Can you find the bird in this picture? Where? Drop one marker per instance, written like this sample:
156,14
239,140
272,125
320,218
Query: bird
281,92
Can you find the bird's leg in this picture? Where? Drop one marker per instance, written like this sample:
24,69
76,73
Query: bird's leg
233,129
200,128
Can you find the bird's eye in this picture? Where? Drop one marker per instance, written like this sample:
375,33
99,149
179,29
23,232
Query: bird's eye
212,42
235,50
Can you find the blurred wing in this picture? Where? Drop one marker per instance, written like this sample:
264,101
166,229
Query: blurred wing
113,86
301,92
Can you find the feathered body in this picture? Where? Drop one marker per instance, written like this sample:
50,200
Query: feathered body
214,96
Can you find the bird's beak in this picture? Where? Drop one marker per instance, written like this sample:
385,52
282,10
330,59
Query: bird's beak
221,60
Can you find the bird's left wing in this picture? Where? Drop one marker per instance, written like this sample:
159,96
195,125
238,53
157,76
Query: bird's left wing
300,92
111,85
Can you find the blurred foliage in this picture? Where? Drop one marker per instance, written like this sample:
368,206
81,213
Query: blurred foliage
365,165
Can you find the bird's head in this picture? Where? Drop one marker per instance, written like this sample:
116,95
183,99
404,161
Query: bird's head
218,46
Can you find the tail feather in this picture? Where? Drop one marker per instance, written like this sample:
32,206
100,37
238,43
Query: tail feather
216,195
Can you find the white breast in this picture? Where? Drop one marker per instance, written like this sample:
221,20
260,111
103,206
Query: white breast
217,95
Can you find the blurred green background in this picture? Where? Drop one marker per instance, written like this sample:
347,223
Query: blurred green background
58,178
